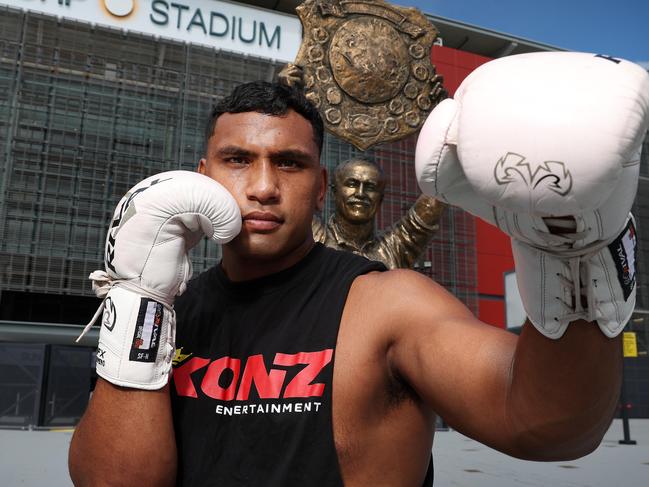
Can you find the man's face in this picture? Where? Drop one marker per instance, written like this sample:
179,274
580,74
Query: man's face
359,192
271,165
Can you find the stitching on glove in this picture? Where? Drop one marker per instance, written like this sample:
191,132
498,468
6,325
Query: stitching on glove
494,210
155,243
439,158
631,163
517,227
444,146
600,226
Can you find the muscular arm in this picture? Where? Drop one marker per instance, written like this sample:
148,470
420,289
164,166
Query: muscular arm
125,438
528,396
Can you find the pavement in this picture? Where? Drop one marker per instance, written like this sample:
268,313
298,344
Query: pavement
39,458
462,462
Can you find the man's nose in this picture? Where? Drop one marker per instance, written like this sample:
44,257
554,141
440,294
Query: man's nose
263,186
361,189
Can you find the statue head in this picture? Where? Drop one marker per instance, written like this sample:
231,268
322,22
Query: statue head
358,190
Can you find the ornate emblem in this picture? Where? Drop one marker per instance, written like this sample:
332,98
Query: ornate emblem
366,66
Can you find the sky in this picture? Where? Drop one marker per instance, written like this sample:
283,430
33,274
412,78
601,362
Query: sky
617,28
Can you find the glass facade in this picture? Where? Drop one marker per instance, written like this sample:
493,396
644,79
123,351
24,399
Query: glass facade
86,112
641,213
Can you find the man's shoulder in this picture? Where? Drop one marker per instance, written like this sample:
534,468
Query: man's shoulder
399,294
397,281
349,260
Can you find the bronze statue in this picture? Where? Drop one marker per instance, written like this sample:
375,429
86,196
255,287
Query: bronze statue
365,65
358,188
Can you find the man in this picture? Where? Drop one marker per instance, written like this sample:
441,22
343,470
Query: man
402,350
358,189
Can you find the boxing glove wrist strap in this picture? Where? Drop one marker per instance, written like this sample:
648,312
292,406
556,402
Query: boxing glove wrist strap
136,340
136,336
596,286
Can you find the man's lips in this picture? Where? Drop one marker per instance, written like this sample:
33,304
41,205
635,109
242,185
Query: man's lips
262,221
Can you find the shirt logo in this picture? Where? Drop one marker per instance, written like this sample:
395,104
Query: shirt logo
291,376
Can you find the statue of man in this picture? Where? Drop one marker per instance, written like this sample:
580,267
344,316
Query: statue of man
358,188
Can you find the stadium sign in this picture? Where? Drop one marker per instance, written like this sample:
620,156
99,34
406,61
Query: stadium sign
216,23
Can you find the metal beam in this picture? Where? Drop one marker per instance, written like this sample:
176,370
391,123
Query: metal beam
507,49
51,333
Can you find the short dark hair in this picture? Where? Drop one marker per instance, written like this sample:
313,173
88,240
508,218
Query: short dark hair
270,99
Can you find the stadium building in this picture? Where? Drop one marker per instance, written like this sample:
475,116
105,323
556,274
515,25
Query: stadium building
96,95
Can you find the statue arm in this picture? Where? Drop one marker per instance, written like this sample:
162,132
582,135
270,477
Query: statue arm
428,211
291,75
408,239
318,229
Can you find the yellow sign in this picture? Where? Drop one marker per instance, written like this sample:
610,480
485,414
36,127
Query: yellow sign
629,344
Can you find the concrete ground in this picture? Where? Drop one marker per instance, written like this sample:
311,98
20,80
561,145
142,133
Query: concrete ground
38,458
462,462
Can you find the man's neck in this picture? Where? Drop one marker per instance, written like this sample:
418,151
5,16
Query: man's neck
238,267
355,234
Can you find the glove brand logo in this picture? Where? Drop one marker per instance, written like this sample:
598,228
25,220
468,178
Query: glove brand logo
147,331
224,380
623,249
110,315
101,361
122,214
514,167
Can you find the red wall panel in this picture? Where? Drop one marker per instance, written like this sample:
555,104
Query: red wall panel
493,310
455,65
494,259
493,250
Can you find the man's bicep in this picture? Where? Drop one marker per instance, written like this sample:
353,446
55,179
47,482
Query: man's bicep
458,365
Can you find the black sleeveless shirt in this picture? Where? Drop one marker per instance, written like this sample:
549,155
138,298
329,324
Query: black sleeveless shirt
252,380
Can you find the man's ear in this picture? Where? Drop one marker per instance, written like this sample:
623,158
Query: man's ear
202,166
322,191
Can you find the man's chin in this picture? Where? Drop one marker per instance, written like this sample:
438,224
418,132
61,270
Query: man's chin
260,246
358,218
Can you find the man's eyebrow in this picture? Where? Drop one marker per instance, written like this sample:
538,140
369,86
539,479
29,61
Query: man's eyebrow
233,150
292,154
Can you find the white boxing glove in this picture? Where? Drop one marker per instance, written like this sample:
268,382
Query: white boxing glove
546,146
154,226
